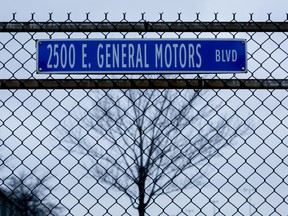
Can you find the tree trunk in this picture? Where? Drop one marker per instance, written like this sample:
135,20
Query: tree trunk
141,209
142,205
141,188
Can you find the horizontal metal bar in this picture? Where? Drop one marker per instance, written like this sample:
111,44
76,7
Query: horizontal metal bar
144,84
143,26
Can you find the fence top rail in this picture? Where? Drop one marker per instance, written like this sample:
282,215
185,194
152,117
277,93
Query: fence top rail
145,84
143,26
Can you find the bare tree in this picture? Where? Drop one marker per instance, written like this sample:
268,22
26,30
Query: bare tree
149,142
28,193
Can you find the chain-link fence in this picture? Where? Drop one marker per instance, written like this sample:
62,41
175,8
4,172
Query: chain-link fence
144,144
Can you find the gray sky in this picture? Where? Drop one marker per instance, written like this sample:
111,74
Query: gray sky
152,8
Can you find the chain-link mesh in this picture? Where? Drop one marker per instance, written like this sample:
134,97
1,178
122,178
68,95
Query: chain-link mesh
176,144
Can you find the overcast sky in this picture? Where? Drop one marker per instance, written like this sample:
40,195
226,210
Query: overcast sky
152,8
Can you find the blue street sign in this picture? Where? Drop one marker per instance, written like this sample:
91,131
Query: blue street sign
141,56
